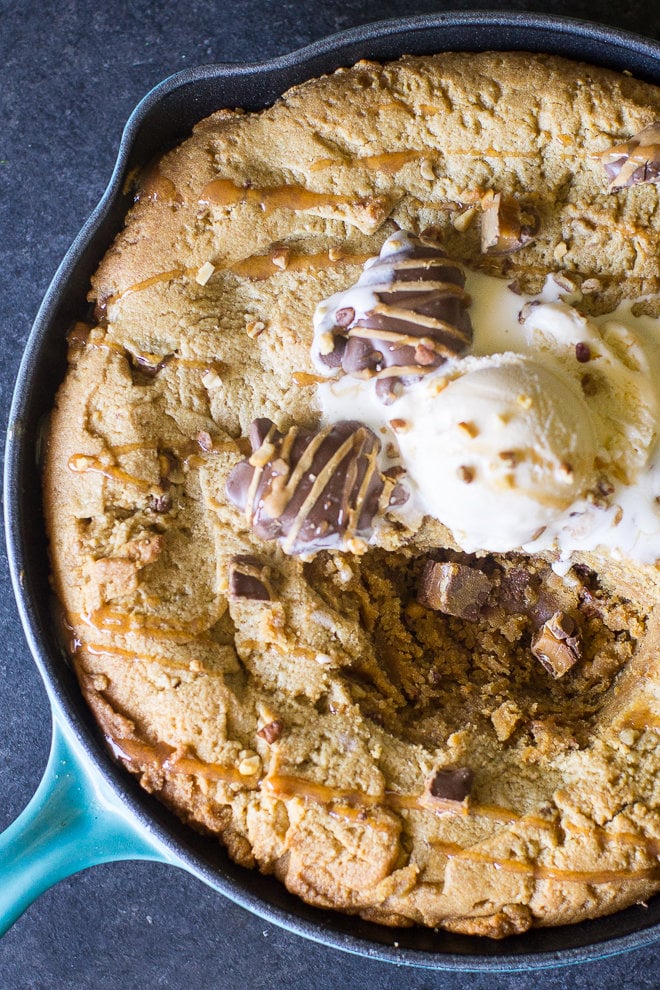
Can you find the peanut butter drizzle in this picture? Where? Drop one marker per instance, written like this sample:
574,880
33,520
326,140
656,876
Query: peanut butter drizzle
641,719
259,267
90,464
146,283
354,805
107,619
388,162
157,187
102,650
224,192
304,378
163,756
537,872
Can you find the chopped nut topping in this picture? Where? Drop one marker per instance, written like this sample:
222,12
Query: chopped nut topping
462,221
426,168
510,457
254,328
469,428
249,766
564,282
635,161
280,257
204,273
506,225
454,589
466,474
400,425
557,644
211,379
560,251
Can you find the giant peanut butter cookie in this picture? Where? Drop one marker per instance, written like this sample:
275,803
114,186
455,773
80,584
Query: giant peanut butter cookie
352,490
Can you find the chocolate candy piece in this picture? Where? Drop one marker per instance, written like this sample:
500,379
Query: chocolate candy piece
248,578
311,491
450,784
454,589
638,160
406,316
506,224
557,644
271,732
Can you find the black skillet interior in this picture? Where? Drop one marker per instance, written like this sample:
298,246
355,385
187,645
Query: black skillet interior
164,117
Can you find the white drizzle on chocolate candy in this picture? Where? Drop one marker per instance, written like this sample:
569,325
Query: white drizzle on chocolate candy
635,161
312,490
405,317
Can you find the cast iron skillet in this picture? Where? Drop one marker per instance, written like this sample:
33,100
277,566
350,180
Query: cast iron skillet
87,809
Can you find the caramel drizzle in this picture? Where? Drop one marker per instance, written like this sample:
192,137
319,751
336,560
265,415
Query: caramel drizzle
259,267
354,805
389,162
146,283
90,464
165,757
155,359
453,851
224,192
304,378
101,650
642,719
107,619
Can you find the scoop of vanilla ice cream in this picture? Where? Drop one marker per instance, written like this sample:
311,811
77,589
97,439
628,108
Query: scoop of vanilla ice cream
497,449
617,380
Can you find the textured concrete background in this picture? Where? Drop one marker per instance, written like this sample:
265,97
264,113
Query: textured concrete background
72,73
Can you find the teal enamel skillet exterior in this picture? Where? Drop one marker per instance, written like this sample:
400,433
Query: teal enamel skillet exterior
88,810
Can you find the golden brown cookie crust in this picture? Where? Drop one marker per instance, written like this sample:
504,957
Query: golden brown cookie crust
303,730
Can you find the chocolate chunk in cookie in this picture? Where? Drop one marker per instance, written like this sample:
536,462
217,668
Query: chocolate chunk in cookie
557,644
271,732
638,160
310,490
454,589
248,578
450,784
506,224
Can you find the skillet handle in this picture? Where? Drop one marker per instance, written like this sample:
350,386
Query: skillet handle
72,822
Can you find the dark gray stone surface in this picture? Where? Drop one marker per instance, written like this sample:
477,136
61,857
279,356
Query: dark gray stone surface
71,73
